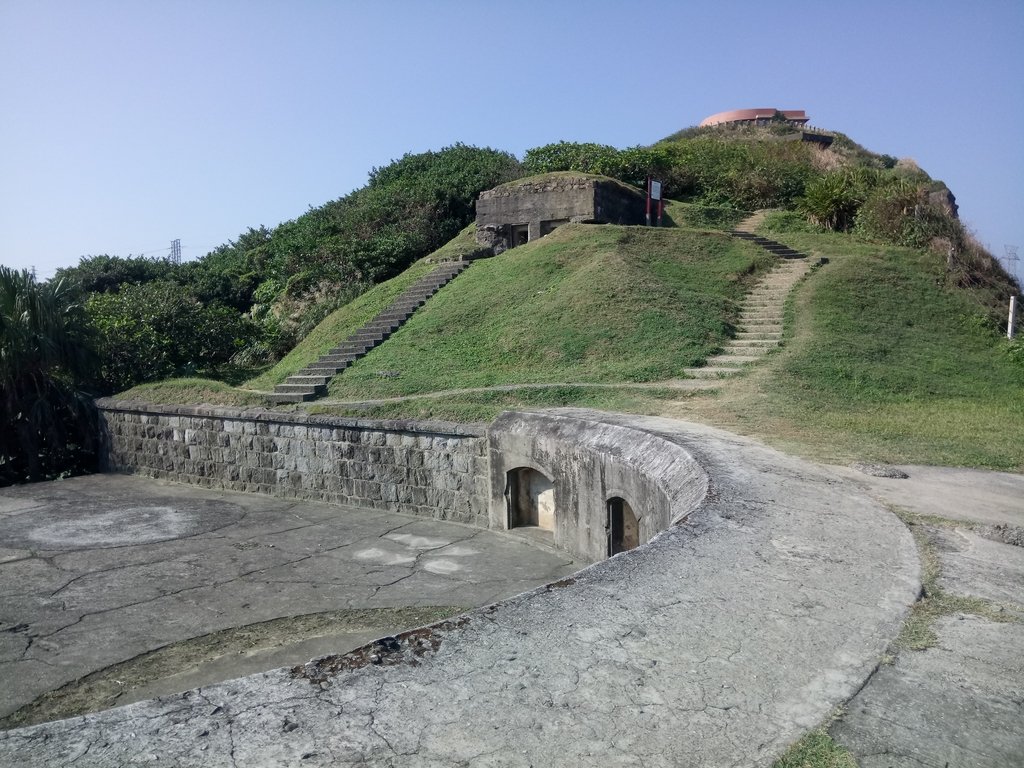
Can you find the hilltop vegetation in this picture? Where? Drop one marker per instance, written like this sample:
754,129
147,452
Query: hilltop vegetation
610,307
249,302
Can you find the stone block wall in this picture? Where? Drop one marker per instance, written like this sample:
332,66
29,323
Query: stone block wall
428,469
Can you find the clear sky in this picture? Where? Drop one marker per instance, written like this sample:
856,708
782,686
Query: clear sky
124,125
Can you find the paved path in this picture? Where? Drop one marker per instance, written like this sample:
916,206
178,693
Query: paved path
960,701
718,643
97,570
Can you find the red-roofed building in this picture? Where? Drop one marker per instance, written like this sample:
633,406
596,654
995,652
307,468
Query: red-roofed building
756,116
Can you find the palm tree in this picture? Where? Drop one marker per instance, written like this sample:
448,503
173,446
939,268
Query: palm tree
48,425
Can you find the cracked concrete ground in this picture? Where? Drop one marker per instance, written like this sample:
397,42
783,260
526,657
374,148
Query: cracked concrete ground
719,643
959,702
97,570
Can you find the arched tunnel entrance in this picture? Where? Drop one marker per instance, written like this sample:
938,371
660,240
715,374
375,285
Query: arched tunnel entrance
531,499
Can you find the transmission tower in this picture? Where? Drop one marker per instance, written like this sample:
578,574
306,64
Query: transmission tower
1011,258
175,256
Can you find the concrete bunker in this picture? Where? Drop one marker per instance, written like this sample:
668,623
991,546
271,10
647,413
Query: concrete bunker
530,496
623,526
610,486
522,211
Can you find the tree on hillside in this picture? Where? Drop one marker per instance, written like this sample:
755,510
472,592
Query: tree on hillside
158,330
303,268
100,274
48,425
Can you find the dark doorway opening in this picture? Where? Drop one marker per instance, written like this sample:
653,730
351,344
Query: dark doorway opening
623,527
519,235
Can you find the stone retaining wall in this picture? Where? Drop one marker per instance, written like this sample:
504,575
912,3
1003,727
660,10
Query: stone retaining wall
429,469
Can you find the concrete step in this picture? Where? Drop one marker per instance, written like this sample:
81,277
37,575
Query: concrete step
752,343
711,372
758,335
354,350
325,369
307,380
383,326
732,351
727,361
404,304
293,397
296,389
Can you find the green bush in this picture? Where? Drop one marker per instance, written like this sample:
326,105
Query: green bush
631,165
899,212
833,201
157,330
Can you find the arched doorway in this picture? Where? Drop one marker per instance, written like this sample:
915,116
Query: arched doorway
531,499
623,526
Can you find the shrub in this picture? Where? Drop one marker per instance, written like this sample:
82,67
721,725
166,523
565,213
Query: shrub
158,330
832,201
631,165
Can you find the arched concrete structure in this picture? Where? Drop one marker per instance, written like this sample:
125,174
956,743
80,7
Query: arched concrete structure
589,463
530,499
765,601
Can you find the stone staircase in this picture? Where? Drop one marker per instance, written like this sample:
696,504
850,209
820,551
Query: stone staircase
760,323
311,382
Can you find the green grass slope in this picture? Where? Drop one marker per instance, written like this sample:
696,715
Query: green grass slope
888,362
343,322
584,304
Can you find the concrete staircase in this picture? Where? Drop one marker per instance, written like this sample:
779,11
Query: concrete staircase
311,382
760,323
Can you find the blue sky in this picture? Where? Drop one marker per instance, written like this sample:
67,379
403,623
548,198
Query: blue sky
125,125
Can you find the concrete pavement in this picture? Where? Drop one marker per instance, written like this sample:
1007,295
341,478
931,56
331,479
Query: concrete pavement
719,643
959,701
96,571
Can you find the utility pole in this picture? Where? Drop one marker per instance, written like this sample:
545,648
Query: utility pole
175,257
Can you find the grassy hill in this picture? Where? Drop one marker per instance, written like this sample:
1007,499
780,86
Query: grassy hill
585,304
885,360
